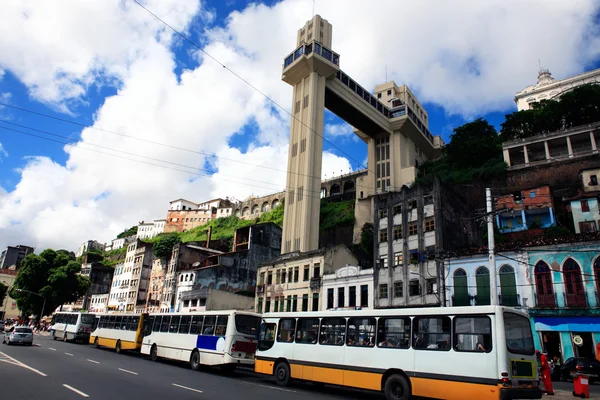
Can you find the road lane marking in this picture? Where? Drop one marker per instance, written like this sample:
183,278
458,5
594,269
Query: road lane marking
92,361
50,348
79,392
188,388
69,354
20,364
129,372
269,387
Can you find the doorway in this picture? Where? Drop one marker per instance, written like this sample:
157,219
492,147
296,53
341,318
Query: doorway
586,350
551,344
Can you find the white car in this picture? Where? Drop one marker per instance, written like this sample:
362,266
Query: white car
19,334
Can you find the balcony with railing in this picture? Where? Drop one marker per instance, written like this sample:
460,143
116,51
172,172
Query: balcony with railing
315,283
575,300
545,300
509,300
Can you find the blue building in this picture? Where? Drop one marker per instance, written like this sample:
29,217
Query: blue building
566,288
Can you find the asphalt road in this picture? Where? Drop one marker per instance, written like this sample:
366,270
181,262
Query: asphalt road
55,370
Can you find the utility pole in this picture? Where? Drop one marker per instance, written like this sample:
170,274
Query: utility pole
491,253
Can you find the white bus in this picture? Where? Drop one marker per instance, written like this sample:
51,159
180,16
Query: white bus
216,338
72,326
119,331
482,352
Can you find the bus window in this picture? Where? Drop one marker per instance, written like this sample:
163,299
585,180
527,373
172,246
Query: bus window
111,322
361,331
473,334
184,325
196,327
87,318
333,331
307,330
247,324
174,326
394,332
156,324
431,333
133,323
164,326
287,330
519,339
221,325
148,324
266,336
125,323
209,325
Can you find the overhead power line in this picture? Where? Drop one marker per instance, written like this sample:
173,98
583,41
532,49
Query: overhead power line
188,40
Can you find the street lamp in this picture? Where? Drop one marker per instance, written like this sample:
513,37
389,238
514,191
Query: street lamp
35,294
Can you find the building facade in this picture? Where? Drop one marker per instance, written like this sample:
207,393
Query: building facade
184,215
467,281
292,282
411,228
98,303
525,209
350,287
131,279
548,88
13,255
213,299
150,229
101,277
567,304
90,245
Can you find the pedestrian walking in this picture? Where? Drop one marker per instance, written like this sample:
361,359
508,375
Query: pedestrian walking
545,372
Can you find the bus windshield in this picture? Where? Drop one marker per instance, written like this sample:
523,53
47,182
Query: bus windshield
247,324
519,339
87,318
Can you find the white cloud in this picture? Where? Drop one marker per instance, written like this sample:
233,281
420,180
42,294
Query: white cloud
337,130
469,57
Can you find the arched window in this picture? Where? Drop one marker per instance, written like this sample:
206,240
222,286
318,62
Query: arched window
181,278
348,186
508,287
574,291
482,281
323,192
246,212
461,289
544,291
265,207
255,209
335,189
274,204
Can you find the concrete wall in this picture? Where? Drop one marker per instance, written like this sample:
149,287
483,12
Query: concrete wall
253,207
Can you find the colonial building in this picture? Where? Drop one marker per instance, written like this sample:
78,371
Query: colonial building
567,303
525,209
100,277
548,88
150,229
292,282
349,287
412,227
9,305
98,303
131,279
184,215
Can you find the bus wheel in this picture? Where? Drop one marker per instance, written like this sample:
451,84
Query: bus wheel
118,347
96,344
195,360
282,374
154,353
397,388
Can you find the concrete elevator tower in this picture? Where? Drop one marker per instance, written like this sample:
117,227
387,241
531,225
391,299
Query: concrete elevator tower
307,69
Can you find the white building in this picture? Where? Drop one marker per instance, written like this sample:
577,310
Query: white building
548,88
182,205
185,283
98,303
129,289
148,230
349,287
89,245
159,226
467,280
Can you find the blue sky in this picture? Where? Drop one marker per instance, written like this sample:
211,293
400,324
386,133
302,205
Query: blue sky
122,71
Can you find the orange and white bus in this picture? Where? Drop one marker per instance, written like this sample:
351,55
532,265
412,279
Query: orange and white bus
119,331
482,352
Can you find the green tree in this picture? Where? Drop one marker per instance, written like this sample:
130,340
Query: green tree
52,274
367,235
474,151
163,246
128,232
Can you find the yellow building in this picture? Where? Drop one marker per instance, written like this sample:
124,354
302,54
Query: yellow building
9,306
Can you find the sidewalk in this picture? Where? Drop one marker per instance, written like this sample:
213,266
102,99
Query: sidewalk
563,394
42,333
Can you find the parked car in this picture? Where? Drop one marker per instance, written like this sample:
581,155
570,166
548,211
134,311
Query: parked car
19,334
581,365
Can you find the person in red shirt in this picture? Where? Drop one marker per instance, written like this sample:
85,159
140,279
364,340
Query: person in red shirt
545,372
